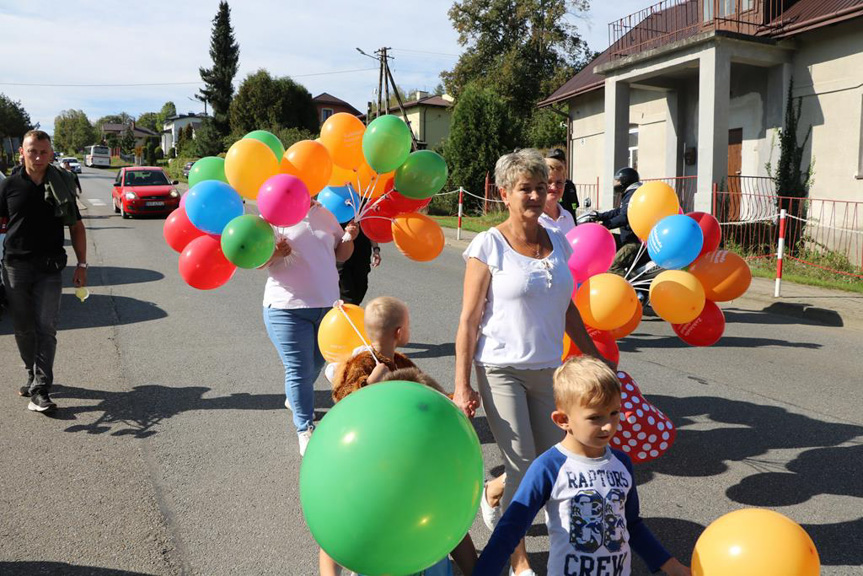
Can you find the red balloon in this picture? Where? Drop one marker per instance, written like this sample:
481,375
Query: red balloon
377,226
710,229
604,342
396,203
203,264
706,329
179,231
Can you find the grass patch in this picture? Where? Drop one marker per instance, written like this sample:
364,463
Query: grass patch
117,162
799,273
472,223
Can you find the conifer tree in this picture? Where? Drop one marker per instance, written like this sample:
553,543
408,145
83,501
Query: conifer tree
218,80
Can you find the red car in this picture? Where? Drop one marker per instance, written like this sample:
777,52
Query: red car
144,190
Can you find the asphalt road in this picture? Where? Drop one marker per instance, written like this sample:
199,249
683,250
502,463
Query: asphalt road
172,452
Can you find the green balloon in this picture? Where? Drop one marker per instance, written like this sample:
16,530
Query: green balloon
270,139
386,143
422,175
391,480
248,241
208,168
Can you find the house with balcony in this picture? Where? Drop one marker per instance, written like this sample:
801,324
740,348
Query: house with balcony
140,133
173,124
695,90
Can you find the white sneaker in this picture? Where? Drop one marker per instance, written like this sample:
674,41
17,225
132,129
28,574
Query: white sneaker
528,572
304,438
490,514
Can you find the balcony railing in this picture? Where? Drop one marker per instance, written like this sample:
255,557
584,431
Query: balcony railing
674,20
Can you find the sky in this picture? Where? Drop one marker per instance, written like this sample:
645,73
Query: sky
133,56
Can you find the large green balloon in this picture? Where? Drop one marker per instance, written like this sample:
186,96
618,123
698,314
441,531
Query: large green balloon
270,140
248,241
391,480
207,168
422,175
386,143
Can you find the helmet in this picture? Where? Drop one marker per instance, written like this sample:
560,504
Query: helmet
624,178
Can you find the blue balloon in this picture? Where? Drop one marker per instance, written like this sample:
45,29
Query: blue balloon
675,242
211,204
342,201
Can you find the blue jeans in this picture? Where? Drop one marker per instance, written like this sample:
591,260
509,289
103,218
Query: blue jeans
294,333
33,297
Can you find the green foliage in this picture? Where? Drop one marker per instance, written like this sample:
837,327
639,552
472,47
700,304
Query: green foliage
482,130
168,110
73,131
121,118
14,120
127,140
547,129
187,145
218,80
790,178
150,151
159,153
290,136
150,121
266,103
207,141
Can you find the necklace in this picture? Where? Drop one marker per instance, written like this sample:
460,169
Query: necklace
535,247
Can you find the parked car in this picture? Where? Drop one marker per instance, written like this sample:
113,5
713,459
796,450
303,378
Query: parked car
187,168
144,190
3,224
74,165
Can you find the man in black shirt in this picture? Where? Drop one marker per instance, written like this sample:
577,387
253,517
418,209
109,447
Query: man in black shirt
39,200
354,272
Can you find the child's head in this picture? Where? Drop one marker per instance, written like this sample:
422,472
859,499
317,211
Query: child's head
413,375
387,319
587,401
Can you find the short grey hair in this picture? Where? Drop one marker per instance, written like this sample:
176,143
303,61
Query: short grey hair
524,162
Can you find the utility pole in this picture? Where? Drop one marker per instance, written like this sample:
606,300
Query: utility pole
385,81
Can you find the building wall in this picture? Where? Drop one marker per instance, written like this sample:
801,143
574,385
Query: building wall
436,125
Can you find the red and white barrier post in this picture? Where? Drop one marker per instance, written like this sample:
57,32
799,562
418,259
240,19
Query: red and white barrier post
460,210
780,251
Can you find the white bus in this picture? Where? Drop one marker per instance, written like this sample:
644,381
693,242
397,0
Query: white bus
97,156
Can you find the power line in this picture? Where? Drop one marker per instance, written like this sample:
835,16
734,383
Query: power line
197,83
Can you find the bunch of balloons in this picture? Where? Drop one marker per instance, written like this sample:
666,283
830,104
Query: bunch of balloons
365,174
392,478
696,275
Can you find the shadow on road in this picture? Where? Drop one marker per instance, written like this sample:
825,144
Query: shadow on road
138,412
25,568
114,276
636,342
417,350
96,312
786,313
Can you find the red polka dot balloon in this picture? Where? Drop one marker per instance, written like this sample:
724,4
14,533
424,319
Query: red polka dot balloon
645,433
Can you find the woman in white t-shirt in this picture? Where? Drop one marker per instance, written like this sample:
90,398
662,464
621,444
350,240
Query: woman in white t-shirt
302,286
517,304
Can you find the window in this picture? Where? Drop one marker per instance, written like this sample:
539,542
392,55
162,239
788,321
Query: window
326,113
633,146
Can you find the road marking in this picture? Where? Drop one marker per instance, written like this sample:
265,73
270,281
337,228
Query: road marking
96,202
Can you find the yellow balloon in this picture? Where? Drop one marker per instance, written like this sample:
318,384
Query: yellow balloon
337,339
755,542
248,164
606,301
652,202
343,176
677,296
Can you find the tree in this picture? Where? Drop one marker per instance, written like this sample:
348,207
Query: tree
150,121
207,142
150,151
547,129
523,49
14,120
127,140
482,130
121,118
168,110
187,148
267,103
218,80
73,131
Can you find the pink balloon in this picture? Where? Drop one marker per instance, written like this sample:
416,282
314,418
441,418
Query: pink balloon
593,250
283,200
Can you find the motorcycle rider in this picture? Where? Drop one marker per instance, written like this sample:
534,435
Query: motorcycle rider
626,182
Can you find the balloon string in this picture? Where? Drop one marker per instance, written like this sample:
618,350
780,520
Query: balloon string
647,269
370,206
634,262
341,306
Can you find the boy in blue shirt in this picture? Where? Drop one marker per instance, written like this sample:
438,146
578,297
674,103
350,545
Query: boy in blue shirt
587,488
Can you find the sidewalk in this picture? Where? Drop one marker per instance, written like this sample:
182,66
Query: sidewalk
812,304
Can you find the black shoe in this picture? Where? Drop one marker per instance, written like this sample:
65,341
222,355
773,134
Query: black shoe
41,402
24,391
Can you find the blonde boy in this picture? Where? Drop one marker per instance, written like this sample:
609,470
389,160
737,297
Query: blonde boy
587,488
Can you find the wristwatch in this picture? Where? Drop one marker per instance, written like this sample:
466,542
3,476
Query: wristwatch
82,265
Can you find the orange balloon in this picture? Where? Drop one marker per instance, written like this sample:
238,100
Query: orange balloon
342,134
630,325
310,162
337,339
723,274
605,301
677,296
755,542
417,236
367,176
248,164
343,176
652,202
